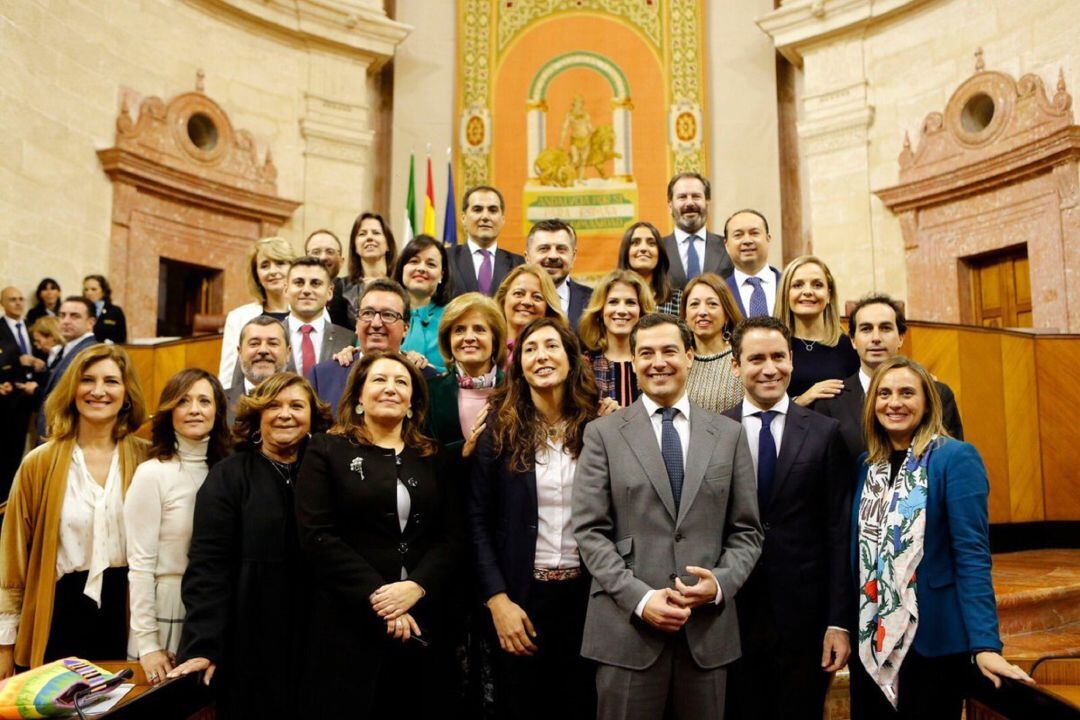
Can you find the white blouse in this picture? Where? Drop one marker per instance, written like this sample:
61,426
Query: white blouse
158,514
556,547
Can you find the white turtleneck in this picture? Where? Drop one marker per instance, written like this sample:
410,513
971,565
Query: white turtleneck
158,513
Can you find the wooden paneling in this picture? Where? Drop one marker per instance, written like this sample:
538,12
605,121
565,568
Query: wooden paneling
1022,440
1059,400
983,412
155,364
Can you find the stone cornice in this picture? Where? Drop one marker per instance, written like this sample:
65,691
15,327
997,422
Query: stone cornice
1042,156
131,168
798,23
347,26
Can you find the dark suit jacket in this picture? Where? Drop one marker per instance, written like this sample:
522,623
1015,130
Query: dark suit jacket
233,395
847,408
797,588
111,324
54,378
338,307
464,274
579,300
11,370
735,288
328,378
957,610
716,259
335,339
443,422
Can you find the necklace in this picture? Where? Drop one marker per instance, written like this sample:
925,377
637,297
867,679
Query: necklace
809,345
284,470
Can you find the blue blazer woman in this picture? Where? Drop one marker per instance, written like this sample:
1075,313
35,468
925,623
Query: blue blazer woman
957,609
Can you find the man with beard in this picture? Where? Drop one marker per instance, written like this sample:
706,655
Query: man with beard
325,245
552,244
263,351
691,248
479,265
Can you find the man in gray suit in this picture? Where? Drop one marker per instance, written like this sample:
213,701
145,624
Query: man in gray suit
691,248
668,542
312,337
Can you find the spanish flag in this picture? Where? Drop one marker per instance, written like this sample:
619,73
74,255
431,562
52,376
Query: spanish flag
429,203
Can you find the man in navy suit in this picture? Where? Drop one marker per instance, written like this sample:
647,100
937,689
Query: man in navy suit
754,281
877,328
795,608
17,358
479,265
77,316
552,244
691,248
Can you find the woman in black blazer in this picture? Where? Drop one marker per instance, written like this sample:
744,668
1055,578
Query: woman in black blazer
377,525
111,324
529,571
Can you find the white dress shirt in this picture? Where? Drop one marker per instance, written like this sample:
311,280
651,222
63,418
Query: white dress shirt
683,244
556,548
681,421
296,338
752,424
69,345
864,380
768,286
478,257
20,332
563,289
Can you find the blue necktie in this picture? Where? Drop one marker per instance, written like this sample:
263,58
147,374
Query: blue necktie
671,449
766,459
758,304
19,338
693,262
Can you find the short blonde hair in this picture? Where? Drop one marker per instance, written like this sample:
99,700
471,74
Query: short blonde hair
547,290
249,408
833,331
275,248
60,412
488,309
877,439
48,326
591,328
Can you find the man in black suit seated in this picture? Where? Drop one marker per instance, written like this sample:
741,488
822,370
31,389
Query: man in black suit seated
795,607
877,327
17,356
478,264
552,244
263,351
691,248
326,246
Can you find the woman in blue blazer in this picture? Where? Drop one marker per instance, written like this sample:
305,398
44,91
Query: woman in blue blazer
921,558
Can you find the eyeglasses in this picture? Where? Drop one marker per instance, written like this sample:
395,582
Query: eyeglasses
389,317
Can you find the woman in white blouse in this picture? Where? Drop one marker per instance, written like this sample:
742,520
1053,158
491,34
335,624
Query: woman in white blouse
189,435
527,564
63,556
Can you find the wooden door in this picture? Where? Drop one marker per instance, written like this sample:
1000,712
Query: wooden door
1001,290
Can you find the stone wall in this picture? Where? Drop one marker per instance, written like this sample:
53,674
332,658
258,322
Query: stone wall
298,75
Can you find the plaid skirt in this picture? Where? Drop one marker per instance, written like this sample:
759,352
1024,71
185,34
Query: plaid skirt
170,616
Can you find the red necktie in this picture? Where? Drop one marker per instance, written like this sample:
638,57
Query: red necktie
307,349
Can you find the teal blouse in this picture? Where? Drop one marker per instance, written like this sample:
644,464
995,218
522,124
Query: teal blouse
423,335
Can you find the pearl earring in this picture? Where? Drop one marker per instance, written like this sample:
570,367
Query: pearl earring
359,409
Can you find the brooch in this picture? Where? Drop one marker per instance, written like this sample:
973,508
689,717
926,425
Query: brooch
357,466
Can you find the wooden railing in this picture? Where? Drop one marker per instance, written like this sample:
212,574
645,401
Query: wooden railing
1018,396
155,364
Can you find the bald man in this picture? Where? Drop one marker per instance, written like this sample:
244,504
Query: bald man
16,397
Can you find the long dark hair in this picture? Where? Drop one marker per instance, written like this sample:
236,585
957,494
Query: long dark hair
45,284
162,432
518,429
444,291
351,423
356,266
661,286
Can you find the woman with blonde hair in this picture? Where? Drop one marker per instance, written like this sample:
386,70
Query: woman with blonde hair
709,310
822,354
63,555
267,280
189,435
920,555
620,299
525,294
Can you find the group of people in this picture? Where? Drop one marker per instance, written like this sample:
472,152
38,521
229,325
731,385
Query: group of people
457,481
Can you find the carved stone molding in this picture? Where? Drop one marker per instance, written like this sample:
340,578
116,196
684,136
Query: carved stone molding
836,119
355,27
332,129
794,25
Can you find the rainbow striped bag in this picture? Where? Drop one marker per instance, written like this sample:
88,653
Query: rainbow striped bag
50,690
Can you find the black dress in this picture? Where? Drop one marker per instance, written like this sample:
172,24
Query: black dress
245,589
815,361
111,324
347,514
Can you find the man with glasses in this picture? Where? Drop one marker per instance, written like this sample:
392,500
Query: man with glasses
382,320
326,246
